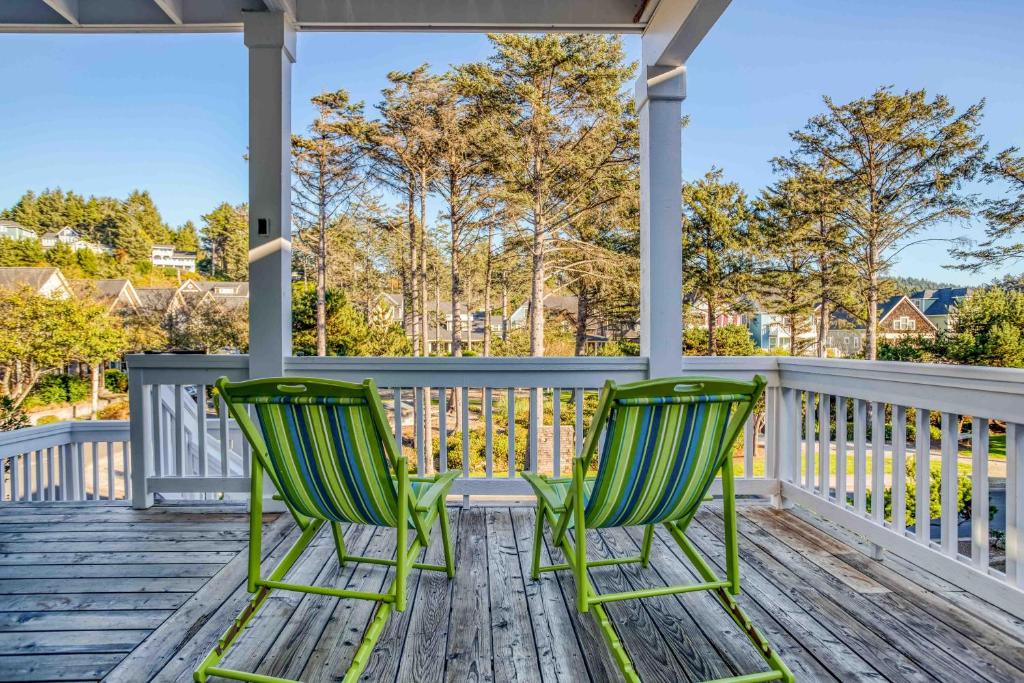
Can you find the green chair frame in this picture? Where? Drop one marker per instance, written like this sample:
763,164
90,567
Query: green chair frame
418,511
561,512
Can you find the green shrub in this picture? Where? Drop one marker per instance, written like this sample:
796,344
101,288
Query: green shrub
47,420
11,417
478,450
55,389
963,496
118,410
116,381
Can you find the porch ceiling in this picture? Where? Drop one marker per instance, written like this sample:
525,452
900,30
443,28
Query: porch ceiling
185,16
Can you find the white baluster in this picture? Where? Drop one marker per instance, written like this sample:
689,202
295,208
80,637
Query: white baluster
923,467
899,468
878,462
979,493
1015,504
842,441
556,440
442,427
950,514
859,455
824,443
489,432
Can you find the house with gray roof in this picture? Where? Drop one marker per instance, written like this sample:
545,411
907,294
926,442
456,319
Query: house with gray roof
45,280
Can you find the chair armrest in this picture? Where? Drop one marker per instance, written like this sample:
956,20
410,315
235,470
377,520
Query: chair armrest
440,488
542,487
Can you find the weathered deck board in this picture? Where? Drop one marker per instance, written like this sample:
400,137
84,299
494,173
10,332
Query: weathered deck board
82,585
121,610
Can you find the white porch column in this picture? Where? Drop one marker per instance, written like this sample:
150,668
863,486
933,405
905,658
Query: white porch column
659,95
271,42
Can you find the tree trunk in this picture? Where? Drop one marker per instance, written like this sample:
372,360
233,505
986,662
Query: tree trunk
437,312
537,292
823,315
487,292
456,301
712,342
504,308
582,314
321,284
423,260
872,351
95,370
414,267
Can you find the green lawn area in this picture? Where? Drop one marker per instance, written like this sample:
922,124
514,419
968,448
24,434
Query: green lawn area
759,466
996,447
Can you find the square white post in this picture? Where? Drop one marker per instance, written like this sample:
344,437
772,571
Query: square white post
270,39
659,95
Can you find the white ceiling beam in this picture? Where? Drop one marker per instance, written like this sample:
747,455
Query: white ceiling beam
287,7
173,9
66,8
676,29
114,16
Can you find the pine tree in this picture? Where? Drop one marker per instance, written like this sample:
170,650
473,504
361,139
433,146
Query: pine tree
719,240
1004,241
899,161
555,105
186,238
226,237
327,166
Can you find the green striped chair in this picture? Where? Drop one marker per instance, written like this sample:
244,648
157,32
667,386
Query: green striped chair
330,453
665,441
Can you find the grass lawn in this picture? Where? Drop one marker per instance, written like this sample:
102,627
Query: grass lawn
759,466
996,447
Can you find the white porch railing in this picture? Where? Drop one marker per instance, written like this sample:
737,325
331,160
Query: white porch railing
878,415
833,436
511,406
66,461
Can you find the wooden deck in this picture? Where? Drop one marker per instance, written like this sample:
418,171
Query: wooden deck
94,591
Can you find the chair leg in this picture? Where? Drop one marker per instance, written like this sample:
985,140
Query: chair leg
446,538
645,549
580,532
339,542
538,538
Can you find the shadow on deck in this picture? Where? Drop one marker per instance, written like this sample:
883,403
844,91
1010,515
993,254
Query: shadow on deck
94,591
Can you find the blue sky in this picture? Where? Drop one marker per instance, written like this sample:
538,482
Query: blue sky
106,114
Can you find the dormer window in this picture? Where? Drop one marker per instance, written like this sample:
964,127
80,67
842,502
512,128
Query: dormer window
904,323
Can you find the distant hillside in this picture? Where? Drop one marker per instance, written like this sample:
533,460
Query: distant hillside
906,285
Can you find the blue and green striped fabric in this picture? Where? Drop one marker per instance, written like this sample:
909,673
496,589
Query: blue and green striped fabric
328,457
659,458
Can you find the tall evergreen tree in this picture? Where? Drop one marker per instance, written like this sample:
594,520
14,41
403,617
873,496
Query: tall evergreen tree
1004,236
555,104
899,160
327,165
718,246
226,238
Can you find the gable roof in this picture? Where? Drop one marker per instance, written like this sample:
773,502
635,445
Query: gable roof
110,292
157,299
34,277
939,301
892,304
5,223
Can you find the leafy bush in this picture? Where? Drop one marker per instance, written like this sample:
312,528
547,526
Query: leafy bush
118,410
963,496
11,417
47,420
55,389
116,381
478,450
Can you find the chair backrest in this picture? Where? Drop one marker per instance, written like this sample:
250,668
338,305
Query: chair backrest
665,441
326,445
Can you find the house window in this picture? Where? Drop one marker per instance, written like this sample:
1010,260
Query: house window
904,323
